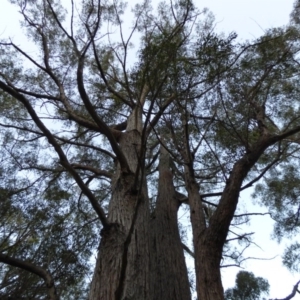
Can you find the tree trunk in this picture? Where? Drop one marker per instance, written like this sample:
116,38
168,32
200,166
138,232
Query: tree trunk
209,237
208,252
125,267
169,278
207,259
122,268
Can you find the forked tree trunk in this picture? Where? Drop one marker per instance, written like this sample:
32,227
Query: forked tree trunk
209,238
169,278
126,267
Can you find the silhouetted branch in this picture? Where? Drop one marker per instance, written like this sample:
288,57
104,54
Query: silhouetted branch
292,295
188,250
32,268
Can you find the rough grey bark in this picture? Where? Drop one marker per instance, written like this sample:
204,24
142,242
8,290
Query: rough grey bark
122,268
127,268
169,278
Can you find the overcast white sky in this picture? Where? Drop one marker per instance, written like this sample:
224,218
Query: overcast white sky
249,18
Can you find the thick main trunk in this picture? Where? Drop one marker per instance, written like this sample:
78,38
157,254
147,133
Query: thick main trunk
122,268
169,278
127,268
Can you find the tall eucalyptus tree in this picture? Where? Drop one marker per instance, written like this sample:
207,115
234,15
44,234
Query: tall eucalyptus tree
103,142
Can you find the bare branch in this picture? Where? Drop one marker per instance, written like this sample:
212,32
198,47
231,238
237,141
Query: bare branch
108,132
293,294
92,169
188,250
251,214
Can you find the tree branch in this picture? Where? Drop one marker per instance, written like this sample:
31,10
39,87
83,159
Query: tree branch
92,169
32,268
293,293
63,159
188,250
102,126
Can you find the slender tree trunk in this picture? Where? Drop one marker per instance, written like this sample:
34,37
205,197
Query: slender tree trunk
208,252
169,278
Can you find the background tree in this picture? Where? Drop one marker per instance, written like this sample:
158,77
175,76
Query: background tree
247,287
99,147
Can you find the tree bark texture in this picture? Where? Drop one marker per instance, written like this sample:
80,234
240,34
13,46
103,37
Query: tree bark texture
141,257
169,277
207,253
122,268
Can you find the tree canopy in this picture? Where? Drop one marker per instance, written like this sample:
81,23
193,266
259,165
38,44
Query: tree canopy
247,287
108,129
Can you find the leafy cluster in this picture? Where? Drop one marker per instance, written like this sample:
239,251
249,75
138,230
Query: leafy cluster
247,287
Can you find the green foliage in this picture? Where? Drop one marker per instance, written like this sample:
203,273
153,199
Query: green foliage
247,287
217,101
291,257
50,234
280,192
